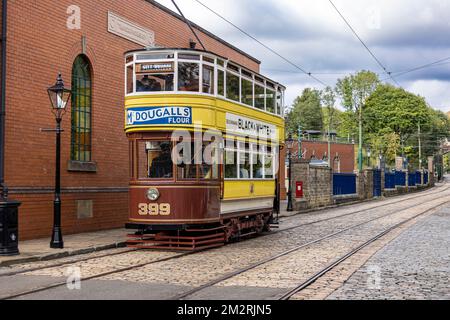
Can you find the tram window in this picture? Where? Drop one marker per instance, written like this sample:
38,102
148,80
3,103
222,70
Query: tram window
257,161
232,87
279,101
270,100
231,164
247,92
187,171
208,79
268,166
221,82
259,97
159,156
210,166
130,79
154,82
220,62
208,59
188,56
244,164
157,56
188,76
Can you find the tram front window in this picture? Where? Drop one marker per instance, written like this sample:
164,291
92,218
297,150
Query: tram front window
154,82
159,160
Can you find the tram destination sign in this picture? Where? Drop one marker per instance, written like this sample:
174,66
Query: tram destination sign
250,127
144,116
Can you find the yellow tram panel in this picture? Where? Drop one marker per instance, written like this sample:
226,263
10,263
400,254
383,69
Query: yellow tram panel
248,189
208,111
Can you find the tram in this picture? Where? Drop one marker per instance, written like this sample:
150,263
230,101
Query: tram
205,135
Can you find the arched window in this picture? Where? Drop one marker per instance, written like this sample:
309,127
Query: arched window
81,145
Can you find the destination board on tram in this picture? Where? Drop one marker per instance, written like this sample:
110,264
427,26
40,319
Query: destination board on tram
250,127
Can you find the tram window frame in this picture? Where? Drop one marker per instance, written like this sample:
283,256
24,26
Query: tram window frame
212,79
244,95
235,94
130,82
270,102
235,164
221,85
148,162
260,97
257,153
196,78
166,83
227,75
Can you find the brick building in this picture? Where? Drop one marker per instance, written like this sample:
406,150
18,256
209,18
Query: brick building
343,155
85,41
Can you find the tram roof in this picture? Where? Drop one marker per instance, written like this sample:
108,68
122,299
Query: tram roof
202,51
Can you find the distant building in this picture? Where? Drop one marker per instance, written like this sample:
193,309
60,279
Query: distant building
315,148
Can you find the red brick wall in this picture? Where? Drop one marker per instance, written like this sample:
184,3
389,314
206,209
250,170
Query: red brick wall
346,153
39,46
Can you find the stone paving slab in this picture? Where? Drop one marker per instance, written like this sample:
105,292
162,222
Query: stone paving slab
38,250
416,265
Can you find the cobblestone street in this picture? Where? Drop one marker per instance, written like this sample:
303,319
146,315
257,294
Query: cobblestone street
409,262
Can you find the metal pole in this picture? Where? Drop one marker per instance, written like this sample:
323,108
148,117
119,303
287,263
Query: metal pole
290,206
420,149
57,238
300,149
360,152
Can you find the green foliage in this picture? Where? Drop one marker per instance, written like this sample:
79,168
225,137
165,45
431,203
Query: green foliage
355,89
306,112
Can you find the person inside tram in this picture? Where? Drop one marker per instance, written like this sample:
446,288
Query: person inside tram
147,85
162,166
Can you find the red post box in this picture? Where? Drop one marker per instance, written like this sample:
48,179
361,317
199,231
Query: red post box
299,189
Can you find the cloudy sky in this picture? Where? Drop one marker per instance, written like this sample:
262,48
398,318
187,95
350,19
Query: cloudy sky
403,34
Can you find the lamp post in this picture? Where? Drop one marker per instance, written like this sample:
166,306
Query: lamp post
369,154
59,98
290,146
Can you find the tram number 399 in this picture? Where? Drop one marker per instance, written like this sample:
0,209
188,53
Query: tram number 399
154,209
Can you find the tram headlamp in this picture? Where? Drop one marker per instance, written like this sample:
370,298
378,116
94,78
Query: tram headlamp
153,194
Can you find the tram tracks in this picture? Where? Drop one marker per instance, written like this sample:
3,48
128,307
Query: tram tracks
77,261
228,276
323,271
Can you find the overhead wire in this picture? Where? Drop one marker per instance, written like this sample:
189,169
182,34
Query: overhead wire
364,44
303,70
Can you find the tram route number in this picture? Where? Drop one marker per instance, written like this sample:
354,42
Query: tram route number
154,209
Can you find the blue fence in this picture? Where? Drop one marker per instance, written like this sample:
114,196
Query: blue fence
389,180
400,178
418,178
425,178
344,184
377,183
412,179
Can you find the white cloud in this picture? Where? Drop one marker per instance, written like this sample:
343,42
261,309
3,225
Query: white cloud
403,34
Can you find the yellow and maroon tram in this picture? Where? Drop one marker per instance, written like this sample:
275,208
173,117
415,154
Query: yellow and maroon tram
205,136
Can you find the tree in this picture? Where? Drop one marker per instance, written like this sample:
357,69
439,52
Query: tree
306,112
354,90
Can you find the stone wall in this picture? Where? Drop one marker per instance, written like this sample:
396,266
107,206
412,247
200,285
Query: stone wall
318,186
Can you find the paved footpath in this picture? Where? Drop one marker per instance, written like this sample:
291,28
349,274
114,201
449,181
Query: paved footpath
416,265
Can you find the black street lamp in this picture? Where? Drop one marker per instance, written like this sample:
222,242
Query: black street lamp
290,146
59,97
369,155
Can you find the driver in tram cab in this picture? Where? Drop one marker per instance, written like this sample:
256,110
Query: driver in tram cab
162,166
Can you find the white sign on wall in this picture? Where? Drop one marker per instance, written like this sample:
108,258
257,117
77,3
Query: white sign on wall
250,128
130,31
